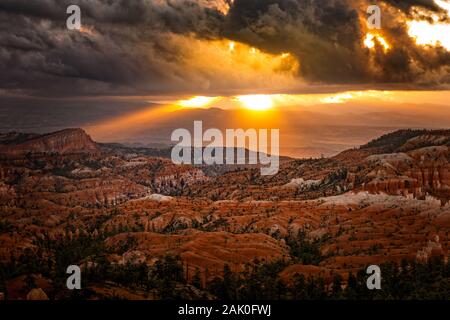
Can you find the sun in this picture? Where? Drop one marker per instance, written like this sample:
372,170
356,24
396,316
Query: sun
258,102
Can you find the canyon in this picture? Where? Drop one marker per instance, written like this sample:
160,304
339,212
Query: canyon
385,201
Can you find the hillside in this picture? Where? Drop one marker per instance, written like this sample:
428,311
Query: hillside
119,208
407,140
64,141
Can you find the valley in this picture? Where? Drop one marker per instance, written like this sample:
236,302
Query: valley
65,199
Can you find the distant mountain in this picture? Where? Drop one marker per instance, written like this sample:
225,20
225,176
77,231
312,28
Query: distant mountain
64,141
123,150
166,152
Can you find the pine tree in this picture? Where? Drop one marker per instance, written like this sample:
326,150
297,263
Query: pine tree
337,287
197,280
29,282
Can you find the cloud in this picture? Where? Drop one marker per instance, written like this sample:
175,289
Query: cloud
327,37
128,47
147,47
407,5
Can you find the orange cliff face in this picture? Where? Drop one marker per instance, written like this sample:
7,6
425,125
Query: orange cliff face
64,141
417,172
67,168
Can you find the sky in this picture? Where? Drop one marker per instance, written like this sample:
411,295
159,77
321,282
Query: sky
135,66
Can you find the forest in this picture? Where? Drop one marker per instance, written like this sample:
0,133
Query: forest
168,278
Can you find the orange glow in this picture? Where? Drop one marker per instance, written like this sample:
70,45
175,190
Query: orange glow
231,46
196,102
425,33
221,5
237,65
133,121
431,34
259,102
338,98
371,38
90,31
265,110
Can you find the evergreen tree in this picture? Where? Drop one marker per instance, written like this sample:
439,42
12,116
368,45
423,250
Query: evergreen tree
197,279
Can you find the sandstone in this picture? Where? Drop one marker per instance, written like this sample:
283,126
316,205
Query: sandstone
37,294
64,141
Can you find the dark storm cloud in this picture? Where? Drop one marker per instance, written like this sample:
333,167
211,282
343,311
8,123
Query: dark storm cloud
407,5
128,50
129,46
322,34
177,14
326,37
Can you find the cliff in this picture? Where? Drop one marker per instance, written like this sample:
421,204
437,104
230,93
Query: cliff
64,141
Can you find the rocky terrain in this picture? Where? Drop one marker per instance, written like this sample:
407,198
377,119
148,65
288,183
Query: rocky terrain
65,199
62,142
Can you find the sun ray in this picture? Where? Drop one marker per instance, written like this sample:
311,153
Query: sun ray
197,102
